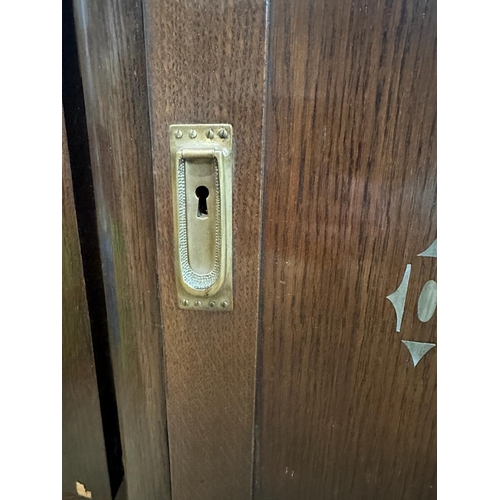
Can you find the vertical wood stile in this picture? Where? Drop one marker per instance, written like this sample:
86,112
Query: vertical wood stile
110,35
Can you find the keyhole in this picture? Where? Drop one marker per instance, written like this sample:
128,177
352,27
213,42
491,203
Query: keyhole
202,194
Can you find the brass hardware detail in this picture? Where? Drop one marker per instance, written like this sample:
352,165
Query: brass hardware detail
202,164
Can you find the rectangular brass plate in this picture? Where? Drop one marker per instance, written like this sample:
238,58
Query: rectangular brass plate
202,169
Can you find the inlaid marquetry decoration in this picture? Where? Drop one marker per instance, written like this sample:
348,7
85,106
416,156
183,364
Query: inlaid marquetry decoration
418,349
398,298
427,304
430,251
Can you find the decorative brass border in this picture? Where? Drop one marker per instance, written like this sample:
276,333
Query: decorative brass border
194,280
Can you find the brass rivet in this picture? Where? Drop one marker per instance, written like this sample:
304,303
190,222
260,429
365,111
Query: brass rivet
211,303
185,302
223,133
210,134
197,303
224,304
192,133
178,134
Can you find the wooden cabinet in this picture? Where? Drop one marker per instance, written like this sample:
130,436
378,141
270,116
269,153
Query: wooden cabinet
305,390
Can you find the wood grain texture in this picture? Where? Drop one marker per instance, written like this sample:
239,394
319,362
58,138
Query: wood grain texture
110,37
206,65
350,199
83,448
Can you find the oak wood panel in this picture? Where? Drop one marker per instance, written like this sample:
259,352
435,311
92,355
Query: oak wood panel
206,64
350,199
83,448
110,37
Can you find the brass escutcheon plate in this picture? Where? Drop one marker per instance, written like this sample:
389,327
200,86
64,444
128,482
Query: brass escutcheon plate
202,167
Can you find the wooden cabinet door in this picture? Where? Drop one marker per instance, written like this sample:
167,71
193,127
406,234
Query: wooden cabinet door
84,466
321,382
348,218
